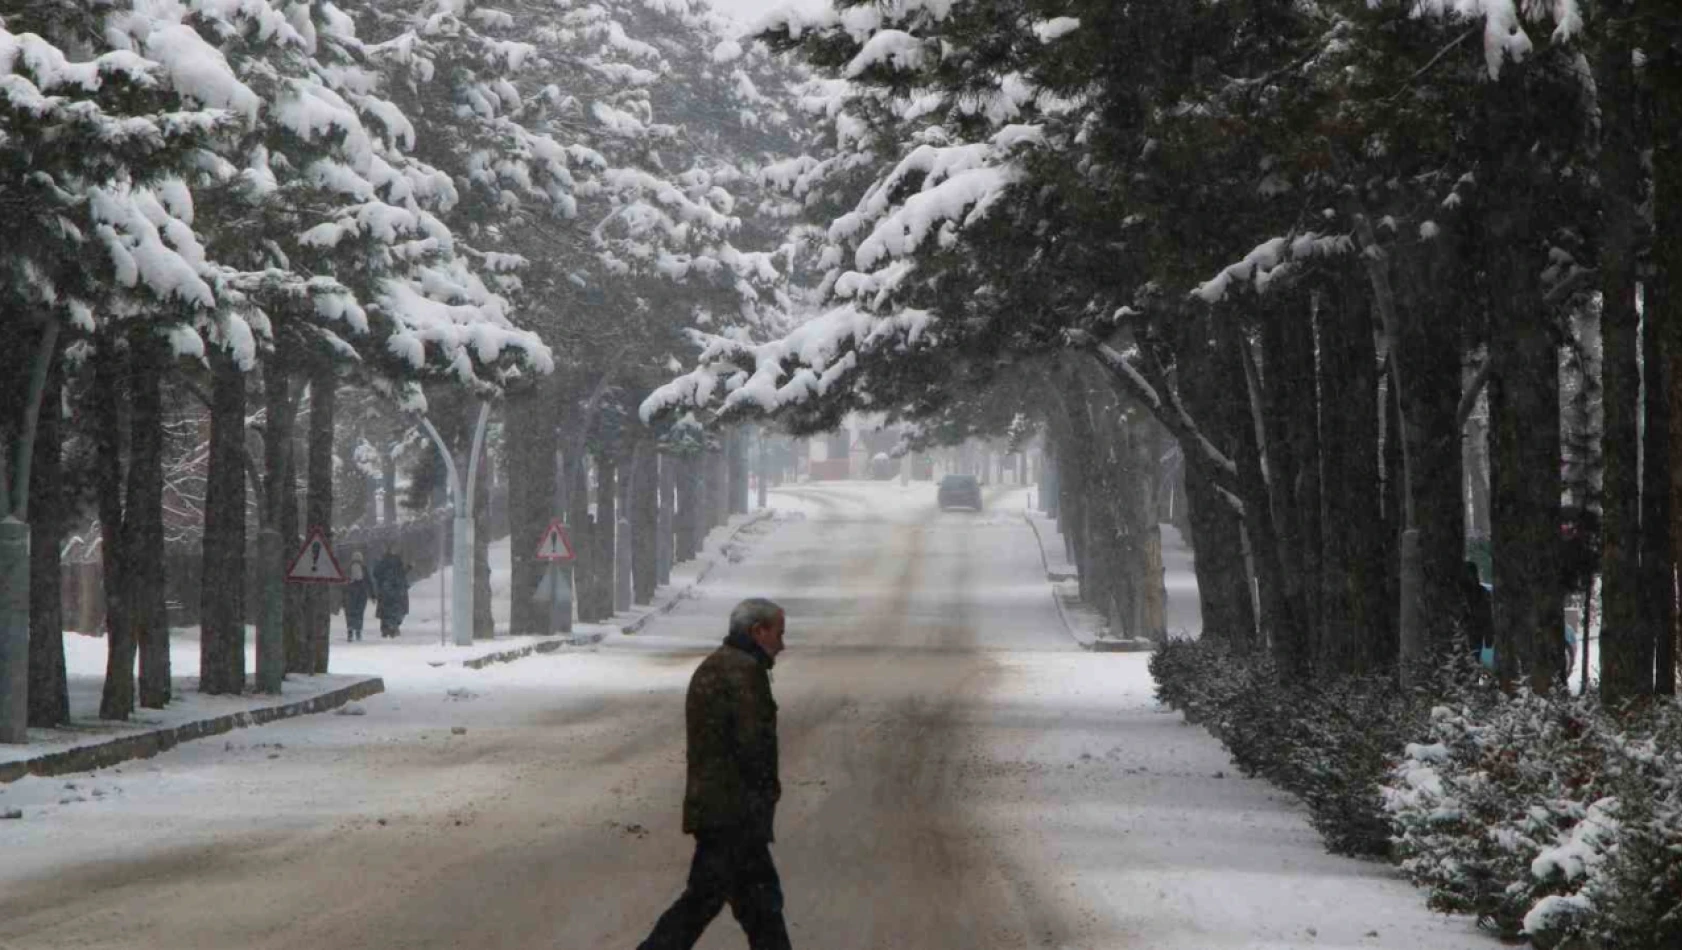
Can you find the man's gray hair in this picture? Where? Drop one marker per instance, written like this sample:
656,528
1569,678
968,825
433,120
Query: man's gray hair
751,613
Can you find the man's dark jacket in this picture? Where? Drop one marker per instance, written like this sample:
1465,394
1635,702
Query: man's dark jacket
733,786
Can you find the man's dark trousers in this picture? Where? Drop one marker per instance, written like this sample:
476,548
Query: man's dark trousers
727,869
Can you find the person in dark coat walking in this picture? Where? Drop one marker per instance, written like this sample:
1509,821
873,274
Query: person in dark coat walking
356,597
1477,614
730,799
391,590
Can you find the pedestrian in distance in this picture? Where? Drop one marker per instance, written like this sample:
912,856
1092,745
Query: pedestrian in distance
1477,618
356,597
391,590
730,798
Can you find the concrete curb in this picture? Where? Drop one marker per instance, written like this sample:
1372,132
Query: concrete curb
518,653
147,744
1056,600
636,625
588,639
1097,644
1045,559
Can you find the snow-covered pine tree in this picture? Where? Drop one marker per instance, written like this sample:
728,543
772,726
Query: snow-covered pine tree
103,251
597,148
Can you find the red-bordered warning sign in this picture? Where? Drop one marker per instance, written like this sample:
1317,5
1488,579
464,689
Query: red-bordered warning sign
555,546
315,563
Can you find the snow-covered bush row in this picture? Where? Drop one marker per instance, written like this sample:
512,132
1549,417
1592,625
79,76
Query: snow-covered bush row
1551,817
1547,817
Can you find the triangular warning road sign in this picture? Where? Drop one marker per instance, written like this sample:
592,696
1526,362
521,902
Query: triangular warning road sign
315,563
555,545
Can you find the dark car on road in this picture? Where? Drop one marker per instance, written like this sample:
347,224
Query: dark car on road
960,491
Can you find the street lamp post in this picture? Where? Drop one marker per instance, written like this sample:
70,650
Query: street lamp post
461,560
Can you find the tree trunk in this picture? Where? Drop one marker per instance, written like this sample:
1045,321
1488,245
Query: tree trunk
110,398
577,474
49,691
691,491
1223,577
274,549
1626,644
607,518
531,441
1145,531
1664,311
1657,572
484,617
1352,601
1281,623
388,486
1524,408
665,527
1290,416
292,532
319,504
736,468
645,502
222,577
143,523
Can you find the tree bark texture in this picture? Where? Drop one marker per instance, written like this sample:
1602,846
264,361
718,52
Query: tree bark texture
110,399
388,486
1523,400
1281,621
645,503
736,463
292,534
1658,574
319,512
49,691
1626,643
686,536
1428,339
1289,413
607,517
277,500
665,524
143,523
531,440
1223,577
222,586
1355,612
577,466
484,620
1664,69
720,476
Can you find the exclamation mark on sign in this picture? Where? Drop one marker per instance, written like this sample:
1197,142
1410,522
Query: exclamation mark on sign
315,558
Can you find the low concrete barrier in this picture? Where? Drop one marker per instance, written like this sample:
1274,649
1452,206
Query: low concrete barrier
144,745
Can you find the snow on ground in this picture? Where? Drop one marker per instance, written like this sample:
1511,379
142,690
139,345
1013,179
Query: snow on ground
956,776
408,658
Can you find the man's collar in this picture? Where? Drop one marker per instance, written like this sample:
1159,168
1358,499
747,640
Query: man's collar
748,645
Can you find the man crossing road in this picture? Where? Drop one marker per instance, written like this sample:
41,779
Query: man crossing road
730,798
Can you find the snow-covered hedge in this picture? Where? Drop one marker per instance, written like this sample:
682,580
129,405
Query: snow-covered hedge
1547,817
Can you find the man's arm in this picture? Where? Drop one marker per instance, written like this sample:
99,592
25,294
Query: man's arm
756,744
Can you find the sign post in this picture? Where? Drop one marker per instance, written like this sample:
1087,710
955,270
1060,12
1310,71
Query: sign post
556,549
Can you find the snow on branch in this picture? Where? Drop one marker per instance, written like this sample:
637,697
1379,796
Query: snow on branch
1165,405
1270,260
1503,23
800,367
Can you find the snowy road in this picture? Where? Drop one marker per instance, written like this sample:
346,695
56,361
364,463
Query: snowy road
957,775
